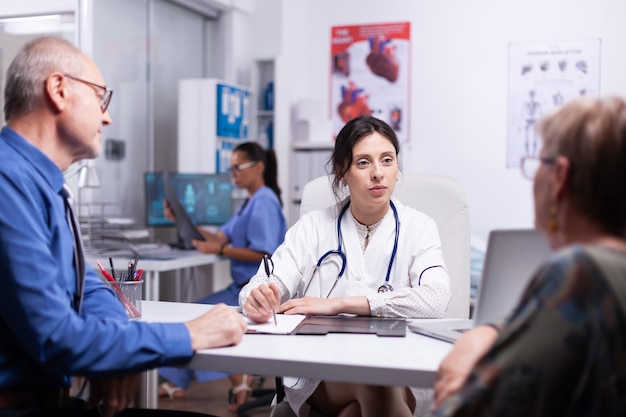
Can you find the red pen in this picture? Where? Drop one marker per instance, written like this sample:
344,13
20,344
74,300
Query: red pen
138,275
104,271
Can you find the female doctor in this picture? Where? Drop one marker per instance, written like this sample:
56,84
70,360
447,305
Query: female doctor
368,255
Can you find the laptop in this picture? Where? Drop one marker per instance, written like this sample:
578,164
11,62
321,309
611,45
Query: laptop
511,258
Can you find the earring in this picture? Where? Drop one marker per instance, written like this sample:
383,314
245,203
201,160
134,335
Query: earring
553,223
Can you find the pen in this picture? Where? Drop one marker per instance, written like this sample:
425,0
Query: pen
104,271
266,264
130,269
112,269
138,275
135,263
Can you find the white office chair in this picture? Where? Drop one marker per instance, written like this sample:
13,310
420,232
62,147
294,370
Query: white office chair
440,197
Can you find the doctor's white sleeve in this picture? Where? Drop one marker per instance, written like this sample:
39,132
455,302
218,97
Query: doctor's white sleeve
428,292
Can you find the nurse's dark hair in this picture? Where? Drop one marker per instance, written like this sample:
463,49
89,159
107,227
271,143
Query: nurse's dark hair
353,131
254,152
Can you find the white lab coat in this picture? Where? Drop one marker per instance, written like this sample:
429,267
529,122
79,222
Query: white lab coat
419,278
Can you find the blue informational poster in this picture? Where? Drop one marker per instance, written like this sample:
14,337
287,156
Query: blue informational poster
233,112
224,153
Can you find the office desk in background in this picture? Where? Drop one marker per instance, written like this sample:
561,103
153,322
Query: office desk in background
153,262
359,358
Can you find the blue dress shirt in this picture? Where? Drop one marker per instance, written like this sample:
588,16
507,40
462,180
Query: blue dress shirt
42,339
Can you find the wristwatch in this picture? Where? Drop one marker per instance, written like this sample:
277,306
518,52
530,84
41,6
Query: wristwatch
221,252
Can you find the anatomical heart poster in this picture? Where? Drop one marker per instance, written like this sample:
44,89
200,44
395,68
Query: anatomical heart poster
370,74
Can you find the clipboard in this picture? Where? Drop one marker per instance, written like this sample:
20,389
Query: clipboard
321,325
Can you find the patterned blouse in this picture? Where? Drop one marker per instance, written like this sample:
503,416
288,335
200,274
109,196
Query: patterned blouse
563,350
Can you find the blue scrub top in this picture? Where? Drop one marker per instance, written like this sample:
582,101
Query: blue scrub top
259,224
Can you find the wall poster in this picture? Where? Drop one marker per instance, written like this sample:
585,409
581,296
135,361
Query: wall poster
370,74
543,76
233,111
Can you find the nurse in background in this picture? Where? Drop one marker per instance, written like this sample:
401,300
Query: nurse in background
256,229
365,161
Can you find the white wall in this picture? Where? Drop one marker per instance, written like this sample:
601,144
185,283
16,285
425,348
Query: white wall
459,79
34,7
459,75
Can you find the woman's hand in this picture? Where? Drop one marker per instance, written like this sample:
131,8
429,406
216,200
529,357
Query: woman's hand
261,302
312,305
167,211
207,246
457,365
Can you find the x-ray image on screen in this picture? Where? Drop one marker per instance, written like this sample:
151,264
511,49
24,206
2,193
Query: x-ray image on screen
206,198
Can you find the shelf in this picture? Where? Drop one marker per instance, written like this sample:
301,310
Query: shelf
262,123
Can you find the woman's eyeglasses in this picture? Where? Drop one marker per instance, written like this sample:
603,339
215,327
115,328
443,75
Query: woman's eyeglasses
236,169
529,165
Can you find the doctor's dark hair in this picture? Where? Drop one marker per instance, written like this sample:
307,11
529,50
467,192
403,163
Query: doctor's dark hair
349,135
254,152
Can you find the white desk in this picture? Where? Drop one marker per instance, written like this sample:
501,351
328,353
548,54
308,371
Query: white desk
361,358
155,262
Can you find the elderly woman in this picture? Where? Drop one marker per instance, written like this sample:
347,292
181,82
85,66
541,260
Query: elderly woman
562,351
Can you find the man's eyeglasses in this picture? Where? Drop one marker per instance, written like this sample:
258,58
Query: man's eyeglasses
530,165
236,169
106,97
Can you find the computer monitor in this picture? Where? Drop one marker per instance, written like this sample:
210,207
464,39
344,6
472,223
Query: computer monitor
206,198
185,229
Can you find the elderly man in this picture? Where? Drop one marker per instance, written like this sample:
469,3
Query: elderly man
56,316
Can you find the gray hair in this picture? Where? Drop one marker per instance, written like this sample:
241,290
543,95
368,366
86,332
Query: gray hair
30,68
591,134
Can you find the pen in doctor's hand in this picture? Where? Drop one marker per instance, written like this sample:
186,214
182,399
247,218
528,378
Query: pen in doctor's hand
266,264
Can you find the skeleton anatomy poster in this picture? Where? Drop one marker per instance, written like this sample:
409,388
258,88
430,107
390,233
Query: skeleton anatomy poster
370,74
543,76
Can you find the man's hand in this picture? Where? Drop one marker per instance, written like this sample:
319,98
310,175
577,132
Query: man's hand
457,365
220,326
115,393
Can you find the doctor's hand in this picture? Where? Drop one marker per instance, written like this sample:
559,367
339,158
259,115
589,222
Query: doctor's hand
115,393
312,305
327,306
457,365
220,326
261,302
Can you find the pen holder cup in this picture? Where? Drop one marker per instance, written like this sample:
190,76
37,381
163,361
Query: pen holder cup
129,293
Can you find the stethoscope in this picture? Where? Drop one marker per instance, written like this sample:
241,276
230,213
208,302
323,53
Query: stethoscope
386,287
